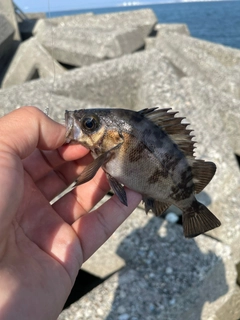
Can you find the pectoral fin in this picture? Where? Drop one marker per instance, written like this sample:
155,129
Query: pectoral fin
87,174
118,189
90,170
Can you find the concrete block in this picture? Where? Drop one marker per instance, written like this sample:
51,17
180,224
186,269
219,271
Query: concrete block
168,28
58,21
36,15
114,83
227,209
165,28
26,28
143,20
205,108
78,47
166,276
7,9
6,38
110,263
214,63
231,310
53,105
29,59
148,79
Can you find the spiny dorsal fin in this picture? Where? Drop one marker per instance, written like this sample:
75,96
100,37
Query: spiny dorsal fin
173,127
203,171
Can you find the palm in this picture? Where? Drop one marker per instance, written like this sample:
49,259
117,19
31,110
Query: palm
41,246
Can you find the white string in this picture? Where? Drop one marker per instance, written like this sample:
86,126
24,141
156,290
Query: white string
47,109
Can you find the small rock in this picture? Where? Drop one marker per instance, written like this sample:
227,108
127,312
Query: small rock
123,316
100,312
169,270
121,310
172,217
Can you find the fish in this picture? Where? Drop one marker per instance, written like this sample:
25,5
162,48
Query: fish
150,151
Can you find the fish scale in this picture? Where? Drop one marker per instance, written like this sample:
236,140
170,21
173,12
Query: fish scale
149,151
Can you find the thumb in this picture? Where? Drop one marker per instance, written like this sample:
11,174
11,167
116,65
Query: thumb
21,132
27,128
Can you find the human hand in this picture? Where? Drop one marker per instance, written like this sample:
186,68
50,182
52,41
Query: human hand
42,247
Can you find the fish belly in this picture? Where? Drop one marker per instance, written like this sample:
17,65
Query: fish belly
142,175
163,176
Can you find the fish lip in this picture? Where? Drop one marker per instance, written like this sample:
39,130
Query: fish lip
69,122
73,130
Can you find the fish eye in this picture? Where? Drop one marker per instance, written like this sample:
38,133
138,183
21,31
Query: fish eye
90,123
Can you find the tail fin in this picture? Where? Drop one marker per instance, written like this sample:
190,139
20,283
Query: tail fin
198,219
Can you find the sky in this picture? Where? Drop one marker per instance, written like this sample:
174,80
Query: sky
60,5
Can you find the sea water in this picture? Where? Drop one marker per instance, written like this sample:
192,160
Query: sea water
213,21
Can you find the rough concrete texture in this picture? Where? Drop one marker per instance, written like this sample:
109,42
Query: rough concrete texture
163,276
86,39
7,9
78,47
216,64
144,20
31,58
232,309
148,79
165,28
6,36
112,83
72,19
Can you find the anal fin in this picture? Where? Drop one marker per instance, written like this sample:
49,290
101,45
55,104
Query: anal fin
157,207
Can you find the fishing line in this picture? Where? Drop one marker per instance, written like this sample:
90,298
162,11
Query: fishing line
47,109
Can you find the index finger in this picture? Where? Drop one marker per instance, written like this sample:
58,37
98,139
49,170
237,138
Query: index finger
27,128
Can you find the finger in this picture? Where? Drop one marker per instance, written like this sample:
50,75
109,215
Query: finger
82,199
40,162
95,228
21,131
27,128
59,179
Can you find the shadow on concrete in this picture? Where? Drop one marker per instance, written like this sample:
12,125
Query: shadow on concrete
166,276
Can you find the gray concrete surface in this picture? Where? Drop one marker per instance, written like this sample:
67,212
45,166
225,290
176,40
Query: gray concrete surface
78,47
165,28
144,20
161,275
31,58
7,9
157,274
148,79
6,38
86,39
216,64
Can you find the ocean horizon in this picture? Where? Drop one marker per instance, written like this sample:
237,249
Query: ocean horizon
215,21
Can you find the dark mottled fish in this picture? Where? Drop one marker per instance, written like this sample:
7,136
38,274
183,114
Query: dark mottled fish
149,151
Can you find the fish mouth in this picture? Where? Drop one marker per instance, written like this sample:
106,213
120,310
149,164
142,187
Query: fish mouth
73,129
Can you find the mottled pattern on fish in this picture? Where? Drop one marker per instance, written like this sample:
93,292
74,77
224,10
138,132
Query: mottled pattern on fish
149,151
